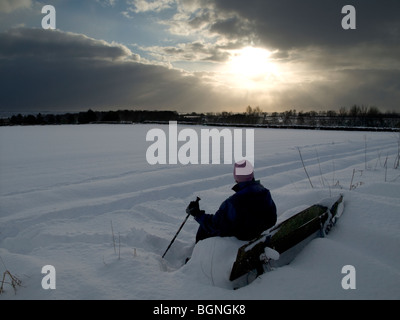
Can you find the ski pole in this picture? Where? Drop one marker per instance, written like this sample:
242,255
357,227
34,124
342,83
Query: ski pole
179,230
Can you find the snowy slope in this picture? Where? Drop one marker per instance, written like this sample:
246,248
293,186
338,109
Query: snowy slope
65,190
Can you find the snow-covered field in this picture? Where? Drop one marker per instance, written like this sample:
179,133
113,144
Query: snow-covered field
67,191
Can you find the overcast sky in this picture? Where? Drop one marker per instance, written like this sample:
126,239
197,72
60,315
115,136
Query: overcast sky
199,55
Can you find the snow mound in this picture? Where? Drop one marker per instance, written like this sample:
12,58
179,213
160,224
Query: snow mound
212,260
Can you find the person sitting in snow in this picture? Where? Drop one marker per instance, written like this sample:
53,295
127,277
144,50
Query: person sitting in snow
243,215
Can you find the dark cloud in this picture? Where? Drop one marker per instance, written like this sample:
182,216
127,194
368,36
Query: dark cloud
45,44
54,70
343,89
233,28
375,87
289,24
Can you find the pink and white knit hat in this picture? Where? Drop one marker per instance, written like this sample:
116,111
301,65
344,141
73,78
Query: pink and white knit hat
243,171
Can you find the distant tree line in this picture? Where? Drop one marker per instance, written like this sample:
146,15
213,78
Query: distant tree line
90,116
355,116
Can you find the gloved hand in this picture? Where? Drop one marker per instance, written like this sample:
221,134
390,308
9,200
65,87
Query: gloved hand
194,209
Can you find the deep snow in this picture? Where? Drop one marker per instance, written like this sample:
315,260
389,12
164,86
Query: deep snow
64,190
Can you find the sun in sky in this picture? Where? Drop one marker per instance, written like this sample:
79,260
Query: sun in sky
252,67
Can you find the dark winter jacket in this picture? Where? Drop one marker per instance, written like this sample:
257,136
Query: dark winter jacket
244,215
